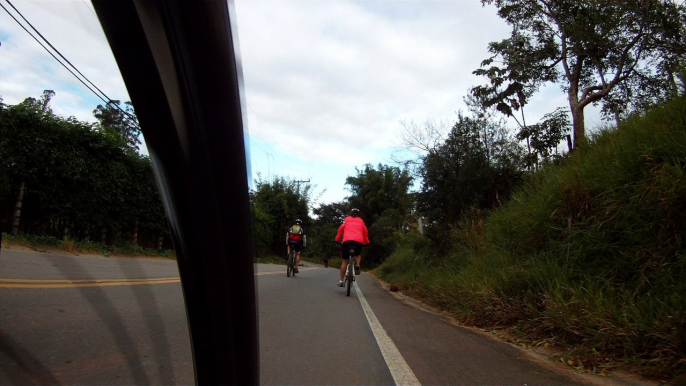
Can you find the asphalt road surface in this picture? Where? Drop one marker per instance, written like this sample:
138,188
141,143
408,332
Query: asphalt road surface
68,319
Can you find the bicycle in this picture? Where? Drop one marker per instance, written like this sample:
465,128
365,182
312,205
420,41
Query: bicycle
290,263
349,274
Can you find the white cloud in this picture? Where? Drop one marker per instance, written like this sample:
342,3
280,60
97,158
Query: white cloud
341,75
327,83
26,69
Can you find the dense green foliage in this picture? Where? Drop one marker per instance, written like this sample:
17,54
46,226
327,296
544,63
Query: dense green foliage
590,253
328,218
121,121
275,205
41,243
381,195
624,55
477,166
81,180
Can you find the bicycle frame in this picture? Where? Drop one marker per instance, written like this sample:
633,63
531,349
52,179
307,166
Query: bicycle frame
290,263
349,275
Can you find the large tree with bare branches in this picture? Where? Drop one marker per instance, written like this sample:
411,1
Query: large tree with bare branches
602,51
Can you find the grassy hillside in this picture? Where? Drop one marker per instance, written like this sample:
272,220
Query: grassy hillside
590,255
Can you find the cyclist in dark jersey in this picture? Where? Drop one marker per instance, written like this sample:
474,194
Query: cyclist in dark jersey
296,239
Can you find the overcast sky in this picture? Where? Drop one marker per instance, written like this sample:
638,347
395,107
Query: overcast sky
327,83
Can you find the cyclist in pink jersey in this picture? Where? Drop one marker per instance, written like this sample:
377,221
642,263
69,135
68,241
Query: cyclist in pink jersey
354,234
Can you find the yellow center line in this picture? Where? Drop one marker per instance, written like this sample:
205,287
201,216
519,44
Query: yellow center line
75,283
280,272
70,281
87,284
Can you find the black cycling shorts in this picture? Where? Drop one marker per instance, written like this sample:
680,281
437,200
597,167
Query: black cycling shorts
296,245
345,249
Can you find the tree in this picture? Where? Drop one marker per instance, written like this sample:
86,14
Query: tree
25,143
590,48
416,141
373,191
320,236
43,103
380,193
477,166
275,205
333,213
76,181
123,122
542,138
509,90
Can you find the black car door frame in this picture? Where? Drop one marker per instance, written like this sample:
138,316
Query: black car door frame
178,59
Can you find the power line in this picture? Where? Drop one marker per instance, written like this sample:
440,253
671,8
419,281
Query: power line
51,54
260,122
89,8
57,51
269,154
102,96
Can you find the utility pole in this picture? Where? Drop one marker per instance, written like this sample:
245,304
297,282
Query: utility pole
298,187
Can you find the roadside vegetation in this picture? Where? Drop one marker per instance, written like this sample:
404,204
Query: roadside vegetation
581,251
588,255
529,226
50,243
78,184
270,259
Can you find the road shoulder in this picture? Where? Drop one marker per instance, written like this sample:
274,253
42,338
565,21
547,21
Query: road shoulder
545,357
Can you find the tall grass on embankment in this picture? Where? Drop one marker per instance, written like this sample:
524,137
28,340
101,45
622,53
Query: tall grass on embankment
590,255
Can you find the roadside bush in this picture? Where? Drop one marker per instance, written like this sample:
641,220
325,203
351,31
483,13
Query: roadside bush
270,259
32,240
128,248
68,245
590,253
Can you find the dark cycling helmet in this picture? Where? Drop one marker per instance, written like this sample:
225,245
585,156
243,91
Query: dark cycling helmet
298,222
355,212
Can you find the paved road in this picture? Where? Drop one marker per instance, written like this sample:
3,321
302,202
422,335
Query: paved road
94,320
91,332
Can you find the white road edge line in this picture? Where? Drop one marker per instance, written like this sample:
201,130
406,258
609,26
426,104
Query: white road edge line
400,370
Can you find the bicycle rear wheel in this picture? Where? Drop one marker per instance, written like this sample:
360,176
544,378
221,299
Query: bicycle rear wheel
289,265
349,277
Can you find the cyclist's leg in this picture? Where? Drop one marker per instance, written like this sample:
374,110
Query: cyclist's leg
344,267
344,260
297,248
358,257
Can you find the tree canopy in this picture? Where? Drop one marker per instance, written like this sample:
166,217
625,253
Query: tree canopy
616,53
382,195
119,120
77,179
275,205
477,166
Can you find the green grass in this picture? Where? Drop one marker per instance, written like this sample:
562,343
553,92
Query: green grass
589,255
85,246
335,263
31,240
270,259
319,260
